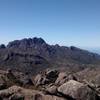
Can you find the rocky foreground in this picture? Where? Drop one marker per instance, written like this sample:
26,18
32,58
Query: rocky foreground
50,85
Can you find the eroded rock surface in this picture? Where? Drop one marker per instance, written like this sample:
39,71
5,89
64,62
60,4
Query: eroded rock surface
77,91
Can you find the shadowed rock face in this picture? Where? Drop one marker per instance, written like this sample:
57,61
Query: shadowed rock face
34,54
2,46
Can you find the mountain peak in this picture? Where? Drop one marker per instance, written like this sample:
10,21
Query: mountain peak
26,42
38,40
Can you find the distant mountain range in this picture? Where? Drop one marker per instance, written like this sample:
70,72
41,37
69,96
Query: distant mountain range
34,54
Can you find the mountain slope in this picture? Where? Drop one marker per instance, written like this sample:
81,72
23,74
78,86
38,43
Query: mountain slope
34,54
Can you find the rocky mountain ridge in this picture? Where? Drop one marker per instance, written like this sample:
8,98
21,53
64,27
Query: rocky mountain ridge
34,55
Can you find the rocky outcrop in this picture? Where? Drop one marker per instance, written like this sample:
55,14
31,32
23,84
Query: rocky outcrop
9,78
66,86
77,91
64,77
40,80
18,93
51,90
46,77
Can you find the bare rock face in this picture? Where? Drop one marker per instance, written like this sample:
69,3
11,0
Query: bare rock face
77,91
52,90
64,77
61,78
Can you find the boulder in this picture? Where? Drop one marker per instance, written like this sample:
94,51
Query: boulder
76,91
64,77
61,78
51,90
